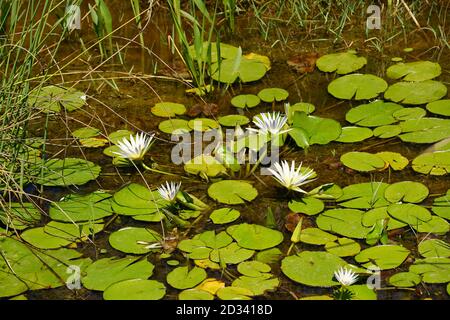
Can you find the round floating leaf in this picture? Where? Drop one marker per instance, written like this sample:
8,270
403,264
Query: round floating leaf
271,255
205,166
432,270
257,285
75,208
68,171
409,113
346,222
53,98
435,225
301,107
416,92
232,191
371,217
195,294
425,130
404,279
434,248
233,120
316,236
38,238
364,195
396,160
357,86
270,95
256,237
245,101
197,249
362,161
224,215
406,191
107,271
312,268
185,278
93,142
168,109
253,268
119,135
354,134
71,231
441,107
321,297
328,191
19,216
247,70
234,293
409,213
174,126
213,240
414,71
307,205
226,51
342,63
309,130
388,131
374,114
436,163
362,292
85,132
384,256
231,254
135,289
203,124
441,206
134,240
343,248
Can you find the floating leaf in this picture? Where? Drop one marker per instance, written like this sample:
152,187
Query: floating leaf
225,50
211,285
271,255
307,205
38,238
384,256
396,160
328,191
245,101
119,135
231,254
19,216
436,163
414,71
357,86
195,294
134,240
371,217
203,124
409,113
374,114
434,248
256,237
234,293
307,108
346,222
270,95
71,231
316,236
343,248
309,130
342,63
432,270
174,126
232,120
232,191
85,132
362,161
54,98
168,109
388,131
409,213
205,166
362,292
135,289
416,92
224,215
183,278
354,134
253,268
404,279
425,130
441,206
435,225
257,285
248,70
441,107
364,195
406,191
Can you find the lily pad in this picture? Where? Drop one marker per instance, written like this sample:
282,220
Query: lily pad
134,240
384,256
354,134
256,237
436,163
388,131
257,285
434,248
406,191
425,130
362,161
307,205
195,294
344,247
405,279
231,254
54,98
174,126
432,270
365,195
362,292
118,135
168,109
234,293
374,114
73,232
316,236
357,86
232,191
85,132
305,107
205,166
409,113
135,289
245,101
441,107
224,215
38,238
225,50
328,191
229,70
435,225
441,206
371,217
19,216
342,63
271,255
309,130
414,71
396,160
185,278
409,213
346,222
253,268
416,92
270,95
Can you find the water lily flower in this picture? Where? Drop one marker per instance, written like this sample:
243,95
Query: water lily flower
169,191
135,148
345,276
270,123
290,177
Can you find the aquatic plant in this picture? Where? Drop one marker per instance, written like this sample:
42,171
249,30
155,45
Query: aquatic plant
272,124
135,148
169,191
102,20
346,277
291,177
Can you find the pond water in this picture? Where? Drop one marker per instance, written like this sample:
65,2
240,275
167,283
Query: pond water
129,108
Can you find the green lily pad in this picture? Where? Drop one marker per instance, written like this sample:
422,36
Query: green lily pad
119,135
224,215
409,213
135,289
205,166
201,245
247,70
416,92
436,163
365,195
85,132
213,240
307,205
374,114
312,268
435,225
256,237
232,191
134,240
362,292
71,231
396,160
388,131
404,279
362,161
357,86
107,271
38,238
432,270
346,222
305,107
384,256
354,134
185,278
253,268
225,50
270,95
245,101
441,206
257,285
409,113
231,254
441,107
344,247
434,248
414,71
19,216
309,130
271,255
168,109
68,171
174,126
54,98
232,120
371,217
195,294
328,191
78,208
203,124
316,236
342,63
406,191
425,130
93,142
234,293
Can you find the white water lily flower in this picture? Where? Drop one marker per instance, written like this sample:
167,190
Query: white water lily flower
291,177
270,123
345,276
136,147
169,191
